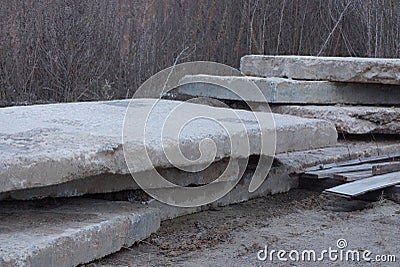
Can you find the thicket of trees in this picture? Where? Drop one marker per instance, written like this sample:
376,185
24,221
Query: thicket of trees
61,50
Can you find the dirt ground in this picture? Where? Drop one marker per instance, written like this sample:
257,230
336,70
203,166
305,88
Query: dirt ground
299,220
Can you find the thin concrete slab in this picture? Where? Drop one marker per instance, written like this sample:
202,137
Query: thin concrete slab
350,119
337,69
68,232
288,91
47,145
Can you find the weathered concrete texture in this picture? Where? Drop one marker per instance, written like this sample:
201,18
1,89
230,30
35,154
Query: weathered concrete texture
46,145
280,90
352,120
338,69
68,232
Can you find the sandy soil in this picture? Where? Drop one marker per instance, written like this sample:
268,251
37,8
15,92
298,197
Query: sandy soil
299,220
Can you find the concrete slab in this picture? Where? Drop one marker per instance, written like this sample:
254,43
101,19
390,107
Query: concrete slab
301,161
47,145
68,232
280,90
284,173
338,69
291,162
116,182
350,119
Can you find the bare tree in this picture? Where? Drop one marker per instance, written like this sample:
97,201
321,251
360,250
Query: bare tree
60,50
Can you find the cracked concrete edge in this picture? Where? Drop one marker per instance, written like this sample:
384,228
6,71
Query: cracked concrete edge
338,69
350,119
297,162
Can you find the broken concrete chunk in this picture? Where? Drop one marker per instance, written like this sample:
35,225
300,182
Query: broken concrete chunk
280,90
352,120
338,69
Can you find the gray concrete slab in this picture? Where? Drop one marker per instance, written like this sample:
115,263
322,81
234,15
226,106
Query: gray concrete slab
339,69
301,161
115,182
350,119
293,162
46,145
68,232
281,90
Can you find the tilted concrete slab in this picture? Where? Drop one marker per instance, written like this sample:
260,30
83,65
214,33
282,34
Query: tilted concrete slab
350,119
338,69
47,145
281,90
68,232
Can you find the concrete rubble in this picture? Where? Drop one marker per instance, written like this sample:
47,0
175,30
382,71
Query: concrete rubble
350,119
337,69
287,91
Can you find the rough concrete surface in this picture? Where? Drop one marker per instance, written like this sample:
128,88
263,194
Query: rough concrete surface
350,119
68,232
339,69
281,90
45,145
